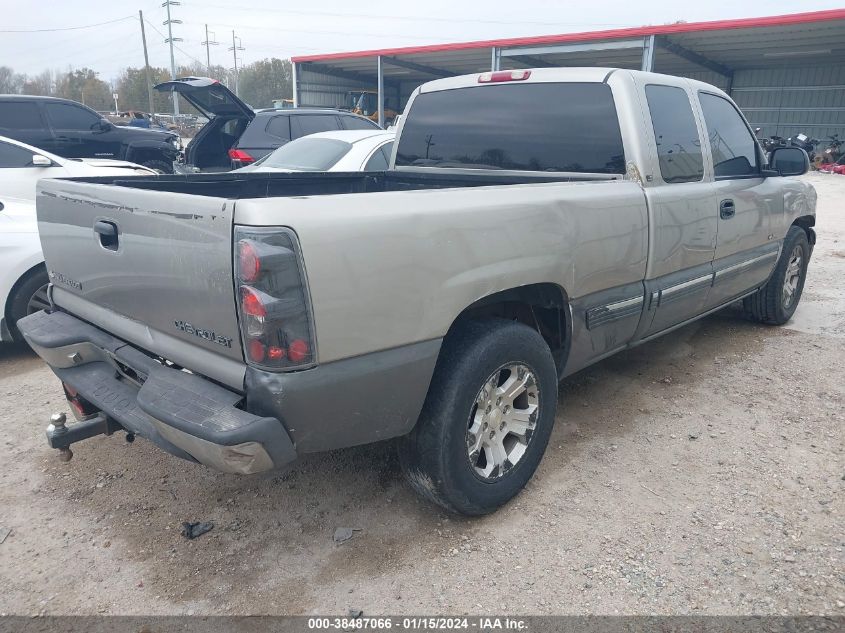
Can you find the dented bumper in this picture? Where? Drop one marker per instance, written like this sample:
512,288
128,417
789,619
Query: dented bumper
181,412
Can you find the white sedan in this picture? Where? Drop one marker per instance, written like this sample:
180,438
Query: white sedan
22,165
23,276
341,150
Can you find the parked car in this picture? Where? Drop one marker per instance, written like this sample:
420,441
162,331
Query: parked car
72,130
22,165
23,277
344,150
237,135
439,301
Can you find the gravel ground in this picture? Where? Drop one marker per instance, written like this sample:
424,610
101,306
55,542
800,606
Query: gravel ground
699,474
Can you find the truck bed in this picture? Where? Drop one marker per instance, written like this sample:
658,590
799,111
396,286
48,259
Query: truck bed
237,186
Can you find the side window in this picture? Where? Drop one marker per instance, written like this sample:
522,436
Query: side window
678,143
313,123
357,123
66,116
734,149
377,161
20,115
14,156
279,126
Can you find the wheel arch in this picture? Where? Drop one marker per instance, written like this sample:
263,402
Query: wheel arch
542,306
32,270
807,222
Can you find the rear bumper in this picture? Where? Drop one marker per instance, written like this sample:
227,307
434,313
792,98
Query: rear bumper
182,413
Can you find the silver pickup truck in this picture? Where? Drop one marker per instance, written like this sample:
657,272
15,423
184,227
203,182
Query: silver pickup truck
531,223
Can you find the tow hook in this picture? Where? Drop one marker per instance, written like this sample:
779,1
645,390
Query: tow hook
60,436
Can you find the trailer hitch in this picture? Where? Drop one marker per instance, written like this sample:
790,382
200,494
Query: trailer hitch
60,436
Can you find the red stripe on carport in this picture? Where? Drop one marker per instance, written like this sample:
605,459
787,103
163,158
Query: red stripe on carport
588,36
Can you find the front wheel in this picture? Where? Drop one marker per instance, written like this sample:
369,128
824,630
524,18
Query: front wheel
775,303
487,418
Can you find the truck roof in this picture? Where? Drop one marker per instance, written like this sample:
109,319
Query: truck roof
555,75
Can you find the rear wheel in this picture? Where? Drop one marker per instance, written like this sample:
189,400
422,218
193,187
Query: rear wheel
486,420
30,295
775,303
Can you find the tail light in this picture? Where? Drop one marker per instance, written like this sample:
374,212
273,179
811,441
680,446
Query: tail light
82,409
240,156
275,314
504,75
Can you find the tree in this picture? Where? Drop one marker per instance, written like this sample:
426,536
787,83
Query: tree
262,81
41,84
10,81
84,86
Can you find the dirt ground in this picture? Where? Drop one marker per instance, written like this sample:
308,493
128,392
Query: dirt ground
699,474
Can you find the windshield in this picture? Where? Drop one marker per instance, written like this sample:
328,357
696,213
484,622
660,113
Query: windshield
308,154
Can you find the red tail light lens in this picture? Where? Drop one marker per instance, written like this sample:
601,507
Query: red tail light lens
251,303
241,156
275,314
249,264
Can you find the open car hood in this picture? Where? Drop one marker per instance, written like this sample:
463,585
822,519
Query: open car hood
208,96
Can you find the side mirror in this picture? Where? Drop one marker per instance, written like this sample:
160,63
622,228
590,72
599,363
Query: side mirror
789,161
41,161
101,126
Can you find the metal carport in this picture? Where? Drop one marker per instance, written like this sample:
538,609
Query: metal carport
787,72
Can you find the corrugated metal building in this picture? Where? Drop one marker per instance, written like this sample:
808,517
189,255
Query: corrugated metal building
786,72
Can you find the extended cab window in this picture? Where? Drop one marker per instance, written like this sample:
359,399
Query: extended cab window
734,149
678,143
20,115
530,127
65,116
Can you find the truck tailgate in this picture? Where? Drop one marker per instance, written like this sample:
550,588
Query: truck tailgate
158,263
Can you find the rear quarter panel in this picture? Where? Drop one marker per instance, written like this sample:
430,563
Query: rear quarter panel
393,268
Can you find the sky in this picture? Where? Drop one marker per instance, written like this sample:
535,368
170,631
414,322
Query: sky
268,28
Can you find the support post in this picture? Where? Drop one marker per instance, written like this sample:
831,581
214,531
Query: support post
648,53
295,85
170,41
495,59
147,65
380,75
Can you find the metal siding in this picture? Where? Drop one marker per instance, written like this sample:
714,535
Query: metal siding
324,91
793,99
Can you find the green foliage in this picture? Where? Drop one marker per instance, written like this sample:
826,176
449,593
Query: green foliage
84,86
262,81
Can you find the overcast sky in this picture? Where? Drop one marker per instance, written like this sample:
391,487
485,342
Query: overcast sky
270,28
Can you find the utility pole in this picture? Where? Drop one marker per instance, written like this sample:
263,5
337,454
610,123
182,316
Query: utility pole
208,43
147,64
170,39
236,46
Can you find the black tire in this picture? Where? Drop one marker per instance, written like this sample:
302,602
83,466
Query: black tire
435,455
769,304
28,296
162,167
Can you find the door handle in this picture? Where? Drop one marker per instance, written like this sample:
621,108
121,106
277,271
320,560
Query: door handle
727,209
108,234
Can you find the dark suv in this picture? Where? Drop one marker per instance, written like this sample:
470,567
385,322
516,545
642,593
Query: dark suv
236,135
73,130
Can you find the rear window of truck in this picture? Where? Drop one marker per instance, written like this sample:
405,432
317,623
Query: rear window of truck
528,127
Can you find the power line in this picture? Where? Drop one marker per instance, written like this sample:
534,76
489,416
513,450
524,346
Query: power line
186,54
67,28
416,18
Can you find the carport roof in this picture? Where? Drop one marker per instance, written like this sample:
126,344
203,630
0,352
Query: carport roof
722,45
